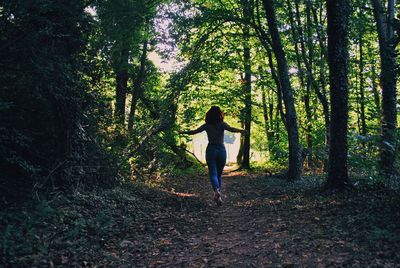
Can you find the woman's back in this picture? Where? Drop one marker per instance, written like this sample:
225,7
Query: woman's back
215,132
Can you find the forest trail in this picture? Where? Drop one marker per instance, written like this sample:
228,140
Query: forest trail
263,223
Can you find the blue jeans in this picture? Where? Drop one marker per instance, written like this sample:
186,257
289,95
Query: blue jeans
216,159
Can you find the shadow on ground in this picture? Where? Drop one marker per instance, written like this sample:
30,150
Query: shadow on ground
264,222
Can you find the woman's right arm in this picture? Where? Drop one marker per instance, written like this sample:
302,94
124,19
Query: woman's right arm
195,131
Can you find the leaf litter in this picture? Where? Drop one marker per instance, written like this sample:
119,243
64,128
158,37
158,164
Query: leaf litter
264,222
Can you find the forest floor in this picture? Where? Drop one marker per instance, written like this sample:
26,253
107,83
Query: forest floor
263,222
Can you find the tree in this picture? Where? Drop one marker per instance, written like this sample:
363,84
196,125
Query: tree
44,99
121,22
291,117
246,83
384,24
137,91
338,19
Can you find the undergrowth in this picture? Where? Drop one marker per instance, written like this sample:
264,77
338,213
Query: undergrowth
83,228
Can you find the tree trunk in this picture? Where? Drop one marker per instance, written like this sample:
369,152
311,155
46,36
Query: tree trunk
362,88
309,124
321,94
246,86
278,86
291,117
375,91
266,42
308,63
388,82
265,112
137,91
338,20
298,37
268,120
121,77
239,157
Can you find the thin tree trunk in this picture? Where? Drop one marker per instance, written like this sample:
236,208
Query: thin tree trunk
388,79
277,126
137,91
297,36
271,112
309,124
375,91
239,157
338,20
310,80
278,87
247,91
267,119
291,117
362,89
121,77
308,62
321,93
266,42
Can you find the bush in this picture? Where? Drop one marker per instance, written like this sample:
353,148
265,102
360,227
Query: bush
44,98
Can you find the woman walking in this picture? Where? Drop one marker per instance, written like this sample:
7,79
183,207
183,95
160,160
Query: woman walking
215,152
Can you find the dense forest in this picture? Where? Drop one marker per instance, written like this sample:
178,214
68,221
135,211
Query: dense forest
94,94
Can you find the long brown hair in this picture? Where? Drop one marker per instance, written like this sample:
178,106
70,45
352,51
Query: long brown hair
214,115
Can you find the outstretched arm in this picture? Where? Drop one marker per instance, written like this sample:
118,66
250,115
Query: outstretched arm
233,129
195,131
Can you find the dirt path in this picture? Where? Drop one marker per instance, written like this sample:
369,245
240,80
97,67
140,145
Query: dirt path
263,223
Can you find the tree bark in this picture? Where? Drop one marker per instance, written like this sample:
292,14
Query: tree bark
247,122
239,157
137,91
308,61
309,124
291,117
338,20
121,77
298,38
388,79
375,91
265,114
268,120
362,87
246,85
278,87
321,93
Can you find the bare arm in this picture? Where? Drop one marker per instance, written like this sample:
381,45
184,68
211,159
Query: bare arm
195,131
233,129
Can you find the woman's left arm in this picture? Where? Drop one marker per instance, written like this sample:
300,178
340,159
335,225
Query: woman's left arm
195,131
233,129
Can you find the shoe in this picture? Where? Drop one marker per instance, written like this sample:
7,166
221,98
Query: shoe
219,201
217,198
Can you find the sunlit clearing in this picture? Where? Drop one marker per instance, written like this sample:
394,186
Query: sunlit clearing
199,143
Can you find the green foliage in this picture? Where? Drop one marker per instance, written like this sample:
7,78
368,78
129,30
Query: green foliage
194,170
59,63
45,99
